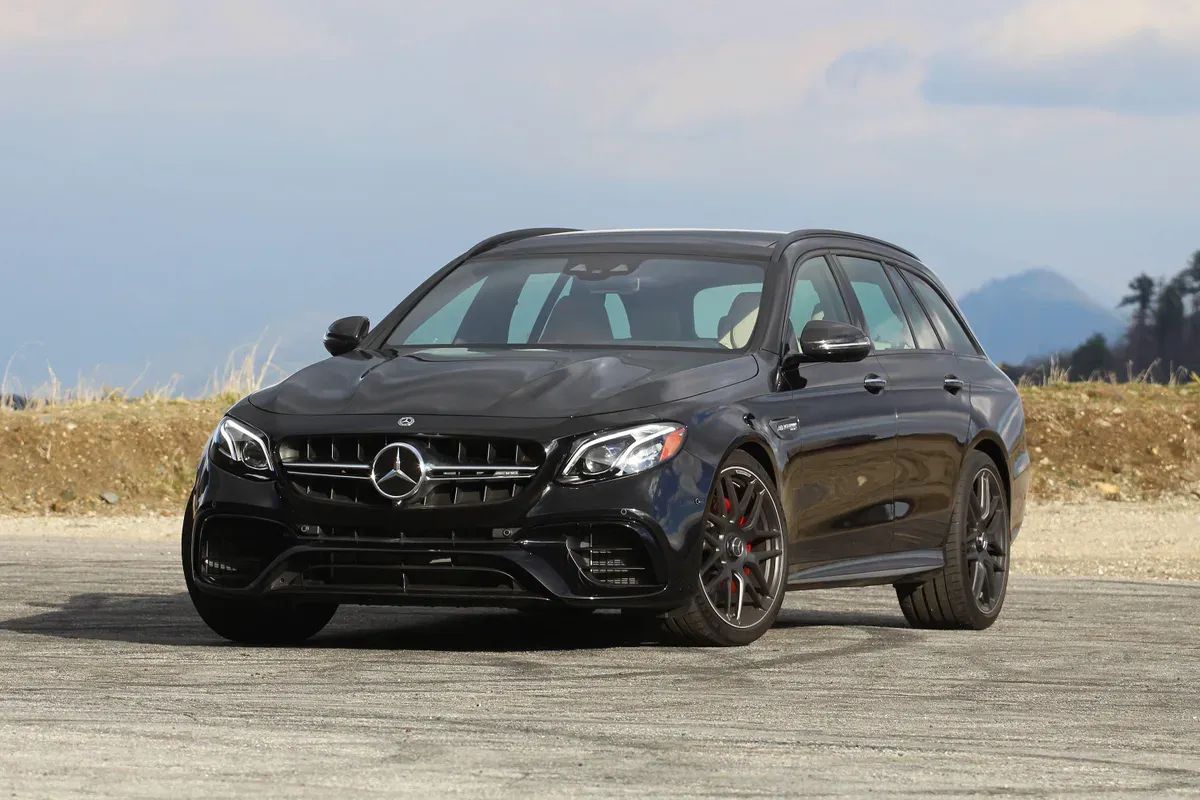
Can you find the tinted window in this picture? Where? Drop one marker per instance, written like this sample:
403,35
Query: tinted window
591,298
529,304
885,318
921,327
442,326
727,311
618,318
815,295
951,330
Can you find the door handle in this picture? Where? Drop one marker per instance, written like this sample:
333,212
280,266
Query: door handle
875,383
953,384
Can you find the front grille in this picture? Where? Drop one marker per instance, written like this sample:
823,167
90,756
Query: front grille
612,555
462,470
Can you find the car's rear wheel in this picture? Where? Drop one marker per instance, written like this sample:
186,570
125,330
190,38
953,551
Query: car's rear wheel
743,561
969,591
253,620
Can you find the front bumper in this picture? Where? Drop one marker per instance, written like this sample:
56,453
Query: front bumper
627,543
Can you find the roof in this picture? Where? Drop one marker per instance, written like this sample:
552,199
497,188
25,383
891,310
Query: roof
717,241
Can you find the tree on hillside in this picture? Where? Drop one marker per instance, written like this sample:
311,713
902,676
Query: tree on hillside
1192,276
1141,341
1092,358
1163,331
1169,319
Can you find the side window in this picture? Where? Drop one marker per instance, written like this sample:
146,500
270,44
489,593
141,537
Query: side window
727,313
951,330
442,327
885,318
921,326
815,295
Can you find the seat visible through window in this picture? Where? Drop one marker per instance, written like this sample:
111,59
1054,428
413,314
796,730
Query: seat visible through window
579,318
734,329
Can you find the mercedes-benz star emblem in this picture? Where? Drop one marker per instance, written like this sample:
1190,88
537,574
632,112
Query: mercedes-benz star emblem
398,471
405,422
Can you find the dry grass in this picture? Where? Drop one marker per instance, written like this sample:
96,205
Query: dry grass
1137,441
243,372
70,446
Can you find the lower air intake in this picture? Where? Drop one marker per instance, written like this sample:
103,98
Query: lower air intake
612,555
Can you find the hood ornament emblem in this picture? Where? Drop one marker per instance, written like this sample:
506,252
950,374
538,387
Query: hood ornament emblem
398,471
405,422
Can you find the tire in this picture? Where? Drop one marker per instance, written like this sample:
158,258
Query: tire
712,618
953,597
255,621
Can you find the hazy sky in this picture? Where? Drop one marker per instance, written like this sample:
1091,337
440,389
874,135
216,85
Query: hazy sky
178,177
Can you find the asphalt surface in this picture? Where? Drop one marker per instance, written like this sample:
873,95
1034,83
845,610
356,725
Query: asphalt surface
111,687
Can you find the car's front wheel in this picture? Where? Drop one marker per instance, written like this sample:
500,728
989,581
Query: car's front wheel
969,591
253,620
743,561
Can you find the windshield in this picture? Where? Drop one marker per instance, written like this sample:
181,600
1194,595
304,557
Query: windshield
588,300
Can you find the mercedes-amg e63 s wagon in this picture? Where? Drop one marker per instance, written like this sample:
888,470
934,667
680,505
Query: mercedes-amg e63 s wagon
682,424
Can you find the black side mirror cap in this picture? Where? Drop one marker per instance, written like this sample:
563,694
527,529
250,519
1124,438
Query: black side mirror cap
346,334
825,340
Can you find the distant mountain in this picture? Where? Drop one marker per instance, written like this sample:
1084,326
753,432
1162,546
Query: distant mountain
1035,313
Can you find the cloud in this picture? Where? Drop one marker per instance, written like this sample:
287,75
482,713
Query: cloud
854,67
1125,56
33,21
135,34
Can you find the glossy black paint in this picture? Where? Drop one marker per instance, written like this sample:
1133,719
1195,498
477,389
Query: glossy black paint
866,453
346,334
528,383
834,341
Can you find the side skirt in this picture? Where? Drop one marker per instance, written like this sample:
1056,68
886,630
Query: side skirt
869,570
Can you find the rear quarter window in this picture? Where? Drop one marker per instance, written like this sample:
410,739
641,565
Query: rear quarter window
944,319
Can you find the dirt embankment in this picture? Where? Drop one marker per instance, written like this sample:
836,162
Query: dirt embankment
105,457
1119,442
1088,441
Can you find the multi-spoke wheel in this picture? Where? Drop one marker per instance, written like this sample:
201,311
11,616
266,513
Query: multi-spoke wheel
987,541
743,559
969,591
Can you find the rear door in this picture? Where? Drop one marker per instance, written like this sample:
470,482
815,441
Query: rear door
932,406
840,428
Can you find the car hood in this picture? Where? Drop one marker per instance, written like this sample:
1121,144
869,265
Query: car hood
503,383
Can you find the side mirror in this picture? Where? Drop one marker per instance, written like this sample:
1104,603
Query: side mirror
824,340
346,334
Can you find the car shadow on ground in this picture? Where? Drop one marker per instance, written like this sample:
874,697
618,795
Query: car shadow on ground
171,620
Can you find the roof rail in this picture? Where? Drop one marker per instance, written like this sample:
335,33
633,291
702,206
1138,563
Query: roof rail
493,242
809,233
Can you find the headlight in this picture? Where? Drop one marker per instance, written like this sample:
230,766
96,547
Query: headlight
237,445
626,452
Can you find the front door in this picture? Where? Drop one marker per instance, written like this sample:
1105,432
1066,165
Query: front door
838,423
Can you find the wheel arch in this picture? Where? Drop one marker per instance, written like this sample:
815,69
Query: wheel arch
991,445
759,450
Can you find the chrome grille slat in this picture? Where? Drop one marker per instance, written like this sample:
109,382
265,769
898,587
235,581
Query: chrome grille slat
460,470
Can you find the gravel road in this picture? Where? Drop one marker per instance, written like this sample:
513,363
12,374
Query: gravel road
1086,687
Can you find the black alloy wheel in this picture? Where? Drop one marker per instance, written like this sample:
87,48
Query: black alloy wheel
987,541
969,591
743,559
